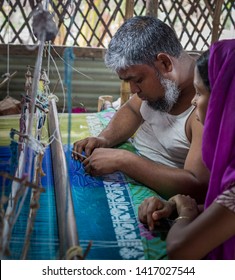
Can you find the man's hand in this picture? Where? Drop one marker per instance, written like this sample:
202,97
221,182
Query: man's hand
104,161
87,145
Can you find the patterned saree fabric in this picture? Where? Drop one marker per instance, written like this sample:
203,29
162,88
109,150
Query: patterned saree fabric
219,131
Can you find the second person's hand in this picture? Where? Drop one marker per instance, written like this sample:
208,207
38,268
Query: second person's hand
153,209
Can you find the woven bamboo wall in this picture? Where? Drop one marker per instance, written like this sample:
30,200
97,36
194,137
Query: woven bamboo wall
88,26
92,23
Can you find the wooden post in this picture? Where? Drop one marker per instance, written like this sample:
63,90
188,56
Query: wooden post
152,8
216,20
125,92
125,86
129,9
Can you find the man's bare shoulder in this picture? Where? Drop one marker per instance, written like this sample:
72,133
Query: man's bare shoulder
134,103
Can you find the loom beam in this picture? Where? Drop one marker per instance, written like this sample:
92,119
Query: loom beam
65,212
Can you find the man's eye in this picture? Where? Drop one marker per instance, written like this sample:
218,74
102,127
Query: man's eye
139,81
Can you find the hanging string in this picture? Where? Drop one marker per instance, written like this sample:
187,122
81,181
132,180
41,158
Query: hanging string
66,62
52,136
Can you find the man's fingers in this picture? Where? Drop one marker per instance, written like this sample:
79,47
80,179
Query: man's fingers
77,151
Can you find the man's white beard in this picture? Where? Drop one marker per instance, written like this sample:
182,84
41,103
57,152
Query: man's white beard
166,103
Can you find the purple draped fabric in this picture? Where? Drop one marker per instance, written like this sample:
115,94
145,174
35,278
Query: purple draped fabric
218,146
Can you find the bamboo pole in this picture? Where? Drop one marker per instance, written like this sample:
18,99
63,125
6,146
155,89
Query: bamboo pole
152,8
65,212
125,91
216,20
129,12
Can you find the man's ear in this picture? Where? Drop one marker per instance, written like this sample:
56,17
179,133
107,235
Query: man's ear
164,63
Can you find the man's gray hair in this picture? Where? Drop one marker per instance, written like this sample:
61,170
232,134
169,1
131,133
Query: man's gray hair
139,40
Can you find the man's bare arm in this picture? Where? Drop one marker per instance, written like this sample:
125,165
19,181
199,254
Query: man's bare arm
165,180
121,127
124,123
168,181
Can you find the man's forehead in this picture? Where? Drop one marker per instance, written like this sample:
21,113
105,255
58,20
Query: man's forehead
131,72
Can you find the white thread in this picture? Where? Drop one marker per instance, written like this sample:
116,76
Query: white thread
88,77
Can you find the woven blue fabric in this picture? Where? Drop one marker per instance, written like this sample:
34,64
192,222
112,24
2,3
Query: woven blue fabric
105,215
44,242
103,210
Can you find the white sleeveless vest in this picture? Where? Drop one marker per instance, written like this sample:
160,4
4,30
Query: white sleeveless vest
162,136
